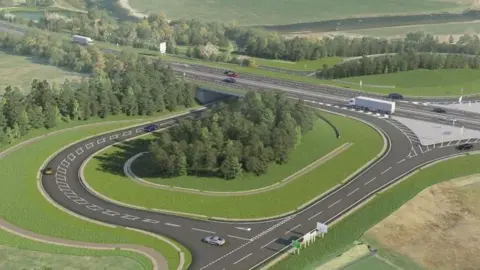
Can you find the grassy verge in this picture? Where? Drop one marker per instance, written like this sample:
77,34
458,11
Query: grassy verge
427,82
18,191
371,262
304,65
352,227
315,144
367,143
37,254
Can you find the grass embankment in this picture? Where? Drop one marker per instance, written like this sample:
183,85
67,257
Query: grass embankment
353,226
371,262
21,253
315,144
303,65
271,12
20,71
367,143
19,191
440,82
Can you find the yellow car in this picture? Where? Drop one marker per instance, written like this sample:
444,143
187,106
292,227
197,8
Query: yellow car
48,171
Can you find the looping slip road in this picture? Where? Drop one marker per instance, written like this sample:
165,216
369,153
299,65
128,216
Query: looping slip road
131,175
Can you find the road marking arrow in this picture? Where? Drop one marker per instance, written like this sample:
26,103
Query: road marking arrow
243,228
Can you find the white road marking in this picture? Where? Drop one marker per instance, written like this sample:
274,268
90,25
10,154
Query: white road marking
89,145
126,133
61,170
200,230
65,163
353,192
401,161
369,181
467,140
238,237
477,140
334,203
386,170
224,256
449,143
172,225
289,231
315,215
114,137
102,140
420,149
139,130
79,151
269,243
71,157
129,217
147,220
242,258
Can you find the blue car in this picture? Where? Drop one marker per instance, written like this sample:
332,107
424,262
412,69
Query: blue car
151,128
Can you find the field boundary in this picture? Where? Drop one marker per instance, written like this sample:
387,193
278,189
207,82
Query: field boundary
332,154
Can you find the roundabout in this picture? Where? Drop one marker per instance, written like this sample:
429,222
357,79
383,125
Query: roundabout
246,248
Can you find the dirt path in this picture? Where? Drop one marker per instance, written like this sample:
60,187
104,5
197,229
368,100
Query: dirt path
159,262
126,5
129,173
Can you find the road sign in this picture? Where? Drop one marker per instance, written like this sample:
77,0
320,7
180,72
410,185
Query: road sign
322,228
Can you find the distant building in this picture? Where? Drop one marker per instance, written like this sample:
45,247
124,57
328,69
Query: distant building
163,47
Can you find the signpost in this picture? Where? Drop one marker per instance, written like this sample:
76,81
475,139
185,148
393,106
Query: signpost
296,245
322,228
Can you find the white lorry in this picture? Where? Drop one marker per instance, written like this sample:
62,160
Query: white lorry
82,40
373,104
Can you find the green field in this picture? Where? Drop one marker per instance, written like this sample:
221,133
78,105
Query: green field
315,145
369,263
20,71
18,188
270,12
21,253
353,226
300,65
426,82
367,143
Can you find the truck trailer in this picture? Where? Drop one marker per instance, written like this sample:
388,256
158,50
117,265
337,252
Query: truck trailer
82,40
373,104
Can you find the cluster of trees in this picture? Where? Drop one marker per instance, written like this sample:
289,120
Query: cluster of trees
234,137
124,84
149,32
399,62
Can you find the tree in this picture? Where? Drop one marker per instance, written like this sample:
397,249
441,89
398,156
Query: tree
231,167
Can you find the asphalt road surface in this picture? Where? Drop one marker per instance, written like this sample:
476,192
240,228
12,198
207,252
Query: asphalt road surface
245,249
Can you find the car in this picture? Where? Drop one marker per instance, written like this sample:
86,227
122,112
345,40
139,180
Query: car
150,128
230,73
395,96
465,146
439,110
230,80
214,240
48,171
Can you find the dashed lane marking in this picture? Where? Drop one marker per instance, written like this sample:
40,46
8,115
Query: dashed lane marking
352,192
200,230
269,243
386,170
315,215
233,251
172,225
289,231
243,258
238,237
331,205
368,182
129,217
401,161
147,220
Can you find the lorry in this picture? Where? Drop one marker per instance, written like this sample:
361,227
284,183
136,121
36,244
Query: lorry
82,40
373,104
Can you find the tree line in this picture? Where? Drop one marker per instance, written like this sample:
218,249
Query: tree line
399,62
118,85
234,137
150,31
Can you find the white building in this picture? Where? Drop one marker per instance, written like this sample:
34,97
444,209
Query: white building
163,47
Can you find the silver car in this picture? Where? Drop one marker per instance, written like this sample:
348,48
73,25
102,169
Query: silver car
214,240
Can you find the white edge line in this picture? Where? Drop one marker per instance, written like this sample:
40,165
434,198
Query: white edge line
243,258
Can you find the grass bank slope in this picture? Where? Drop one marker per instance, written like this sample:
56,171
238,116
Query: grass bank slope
351,228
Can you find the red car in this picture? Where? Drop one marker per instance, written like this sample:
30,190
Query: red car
232,74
